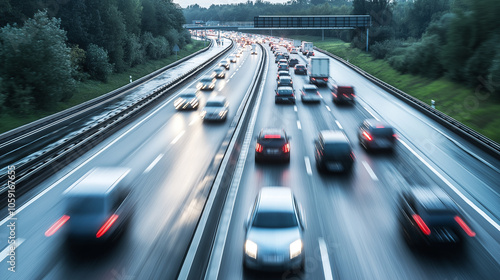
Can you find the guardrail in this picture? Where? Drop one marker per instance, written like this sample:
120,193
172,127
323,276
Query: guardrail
476,138
32,172
199,256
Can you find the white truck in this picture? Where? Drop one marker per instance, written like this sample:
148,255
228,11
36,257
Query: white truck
306,47
318,69
297,43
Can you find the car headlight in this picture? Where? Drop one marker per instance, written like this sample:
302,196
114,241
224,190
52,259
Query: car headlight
251,249
295,248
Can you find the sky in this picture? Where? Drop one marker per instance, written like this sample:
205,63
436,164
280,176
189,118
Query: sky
207,3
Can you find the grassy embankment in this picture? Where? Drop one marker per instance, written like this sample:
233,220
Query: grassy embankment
480,110
90,89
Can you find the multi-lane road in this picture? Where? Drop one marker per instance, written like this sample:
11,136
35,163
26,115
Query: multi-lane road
351,224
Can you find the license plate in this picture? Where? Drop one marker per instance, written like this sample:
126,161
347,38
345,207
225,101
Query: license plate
272,151
335,166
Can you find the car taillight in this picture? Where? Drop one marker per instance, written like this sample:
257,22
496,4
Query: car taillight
325,79
314,79
57,225
367,136
258,148
345,95
395,136
353,157
421,224
317,93
464,226
334,95
107,225
286,148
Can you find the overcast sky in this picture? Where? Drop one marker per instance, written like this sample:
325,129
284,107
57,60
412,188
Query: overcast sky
207,3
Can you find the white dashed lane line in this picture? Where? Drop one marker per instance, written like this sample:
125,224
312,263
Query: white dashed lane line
295,108
5,252
177,137
328,108
298,125
308,166
325,260
369,170
157,159
338,124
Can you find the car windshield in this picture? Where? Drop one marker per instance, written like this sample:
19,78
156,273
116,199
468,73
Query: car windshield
275,220
285,91
206,80
188,95
386,131
310,91
85,205
214,104
300,66
337,148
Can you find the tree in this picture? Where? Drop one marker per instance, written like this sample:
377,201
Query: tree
35,64
97,63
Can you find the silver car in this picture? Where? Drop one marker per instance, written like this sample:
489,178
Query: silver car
216,109
274,232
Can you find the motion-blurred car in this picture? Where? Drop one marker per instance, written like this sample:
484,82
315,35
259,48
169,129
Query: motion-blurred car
292,62
282,67
342,94
333,152
219,73
187,100
376,135
215,109
300,69
310,93
278,57
206,83
224,63
293,51
282,73
97,207
284,95
272,144
429,218
285,81
283,61
274,232
232,59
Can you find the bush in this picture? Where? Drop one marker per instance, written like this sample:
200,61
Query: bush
97,63
480,62
381,50
134,54
155,47
493,81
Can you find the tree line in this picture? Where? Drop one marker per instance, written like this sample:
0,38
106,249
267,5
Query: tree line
458,39
46,47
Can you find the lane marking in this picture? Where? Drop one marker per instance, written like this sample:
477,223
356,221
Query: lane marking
295,108
308,166
193,121
232,75
325,260
369,112
298,125
462,196
369,170
177,137
328,108
338,124
5,252
157,159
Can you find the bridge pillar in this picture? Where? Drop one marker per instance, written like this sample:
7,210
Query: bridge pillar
367,32
322,34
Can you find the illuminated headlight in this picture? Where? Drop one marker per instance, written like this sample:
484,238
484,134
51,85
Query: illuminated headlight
251,249
295,248
178,102
202,114
222,113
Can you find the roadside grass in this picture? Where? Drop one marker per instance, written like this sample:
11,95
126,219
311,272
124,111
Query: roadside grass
480,110
91,89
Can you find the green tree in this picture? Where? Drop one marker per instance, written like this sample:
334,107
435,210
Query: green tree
97,63
35,64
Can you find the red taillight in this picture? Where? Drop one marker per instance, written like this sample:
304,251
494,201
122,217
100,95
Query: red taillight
345,95
464,226
107,225
272,136
286,148
380,126
258,148
57,225
325,79
334,95
367,136
423,227
314,79
395,135
353,157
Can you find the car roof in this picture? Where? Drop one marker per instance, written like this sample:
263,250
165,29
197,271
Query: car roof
308,86
432,199
376,123
218,98
285,88
286,78
275,199
98,181
333,136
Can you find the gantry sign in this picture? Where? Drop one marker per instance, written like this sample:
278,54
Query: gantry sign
313,22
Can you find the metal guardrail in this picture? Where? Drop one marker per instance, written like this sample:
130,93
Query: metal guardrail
31,173
476,138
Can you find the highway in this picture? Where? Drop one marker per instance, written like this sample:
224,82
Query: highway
351,225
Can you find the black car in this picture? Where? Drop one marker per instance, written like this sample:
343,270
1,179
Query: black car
282,66
342,94
225,64
430,219
284,95
272,144
376,135
333,152
285,81
300,69
278,57
292,62
310,93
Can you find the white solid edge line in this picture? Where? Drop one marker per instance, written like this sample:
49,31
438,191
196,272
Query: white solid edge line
5,252
369,170
298,125
221,236
35,198
157,159
325,260
177,137
369,112
338,124
462,196
308,166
